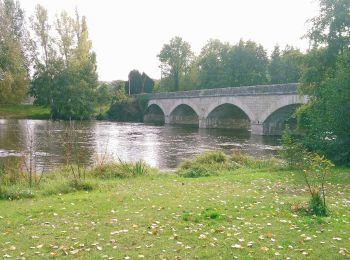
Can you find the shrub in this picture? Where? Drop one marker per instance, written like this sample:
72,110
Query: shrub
211,157
238,160
315,169
292,152
196,172
121,170
210,213
317,205
15,193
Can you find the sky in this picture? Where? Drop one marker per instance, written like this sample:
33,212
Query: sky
128,34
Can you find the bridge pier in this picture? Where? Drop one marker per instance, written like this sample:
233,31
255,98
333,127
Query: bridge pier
202,122
167,119
257,128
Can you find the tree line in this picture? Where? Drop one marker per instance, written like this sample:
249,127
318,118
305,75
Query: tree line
53,62
221,65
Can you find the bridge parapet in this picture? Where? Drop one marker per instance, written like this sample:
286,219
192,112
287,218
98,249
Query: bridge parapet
278,89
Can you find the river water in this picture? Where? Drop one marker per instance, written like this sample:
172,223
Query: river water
163,147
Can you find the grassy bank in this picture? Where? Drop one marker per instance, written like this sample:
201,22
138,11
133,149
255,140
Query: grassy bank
242,208
24,112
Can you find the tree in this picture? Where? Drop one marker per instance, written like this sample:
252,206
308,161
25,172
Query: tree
46,62
214,65
176,58
331,27
190,79
326,79
285,67
14,67
135,82
248,63
65,29
147,83
65,78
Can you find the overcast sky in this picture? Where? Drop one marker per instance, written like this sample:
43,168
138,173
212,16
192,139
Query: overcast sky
128,34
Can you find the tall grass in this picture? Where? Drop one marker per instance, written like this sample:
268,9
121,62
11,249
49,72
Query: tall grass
14,185
215,162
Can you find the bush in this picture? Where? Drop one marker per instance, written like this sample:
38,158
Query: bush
196,172
239,160
317,206
292,152
121,170
15,193
211,157
61,186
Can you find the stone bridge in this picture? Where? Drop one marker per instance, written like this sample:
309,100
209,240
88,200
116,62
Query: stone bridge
264,110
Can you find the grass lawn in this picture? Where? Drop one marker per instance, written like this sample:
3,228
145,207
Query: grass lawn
239,214
24,112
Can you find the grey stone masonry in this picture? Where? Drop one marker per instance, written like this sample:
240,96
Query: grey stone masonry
265,106
278,89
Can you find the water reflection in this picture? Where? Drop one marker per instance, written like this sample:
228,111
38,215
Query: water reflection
163,147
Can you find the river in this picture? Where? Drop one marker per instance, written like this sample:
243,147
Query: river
89,142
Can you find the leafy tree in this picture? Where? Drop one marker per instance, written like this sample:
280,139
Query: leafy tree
14,76
331,27
147,83
326,80
285,67
190,79
275,66
65,80
248,64
46,63
176,58
65,27
214,65
135,82
103,96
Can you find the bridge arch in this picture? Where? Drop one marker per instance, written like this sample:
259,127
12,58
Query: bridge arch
279,114
233,101
227,115
154,114
184,114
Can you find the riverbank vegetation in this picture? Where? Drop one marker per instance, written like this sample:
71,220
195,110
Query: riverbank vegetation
24,112
240,207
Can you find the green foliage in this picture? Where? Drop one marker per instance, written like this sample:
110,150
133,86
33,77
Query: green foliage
135,82
64,80
331,27
211,157
285,67
214,63
128,109
292,151
210,213
206,214
218,65
326,80
240,160
14,76
125,109
213,162
120,170
314,169
10,171
15,193
317,206
196,171
176,58
82,185
147,83
248,64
